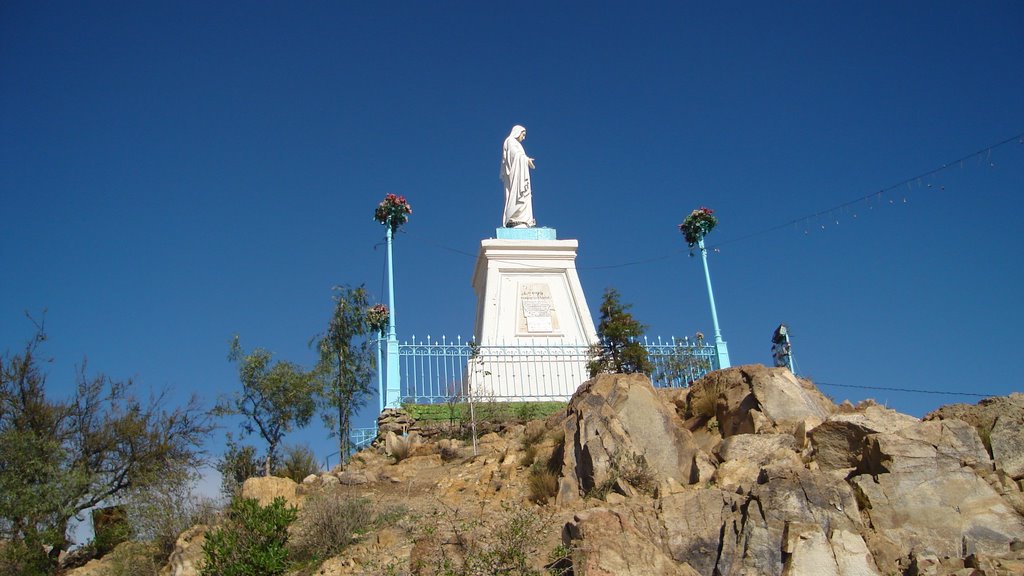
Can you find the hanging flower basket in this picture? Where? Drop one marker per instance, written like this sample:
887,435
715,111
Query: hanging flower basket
393,211
697,225
377,317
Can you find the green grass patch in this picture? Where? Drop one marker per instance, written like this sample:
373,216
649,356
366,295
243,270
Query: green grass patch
485,411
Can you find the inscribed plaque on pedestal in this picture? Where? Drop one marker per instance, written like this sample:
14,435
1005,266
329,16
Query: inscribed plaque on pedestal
536,310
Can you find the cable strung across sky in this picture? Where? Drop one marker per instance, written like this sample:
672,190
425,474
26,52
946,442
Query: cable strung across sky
910,390
984,152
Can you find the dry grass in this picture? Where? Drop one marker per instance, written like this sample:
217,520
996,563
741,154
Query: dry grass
529,455
635,470
400,447
542,484
450,451
630,468
326,525
703,400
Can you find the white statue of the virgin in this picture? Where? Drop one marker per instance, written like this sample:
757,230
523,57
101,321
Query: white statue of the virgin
515,174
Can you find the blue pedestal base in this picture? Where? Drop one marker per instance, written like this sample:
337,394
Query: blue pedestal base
526,234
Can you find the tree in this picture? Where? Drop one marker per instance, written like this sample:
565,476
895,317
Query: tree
159,513
618,351
346,363
276,398
59,458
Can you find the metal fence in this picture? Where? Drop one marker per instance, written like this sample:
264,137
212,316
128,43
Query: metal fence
434,371
362,437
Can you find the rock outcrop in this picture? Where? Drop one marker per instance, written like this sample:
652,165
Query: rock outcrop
749,471
619,418
755,399
798,485
999,421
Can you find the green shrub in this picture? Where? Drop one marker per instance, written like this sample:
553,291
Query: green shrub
297,463
134,559
560,561
506,544
252,541
17,557
513,547
236,465
459,412
327,524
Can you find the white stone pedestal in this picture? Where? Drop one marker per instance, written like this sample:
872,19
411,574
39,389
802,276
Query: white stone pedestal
532,321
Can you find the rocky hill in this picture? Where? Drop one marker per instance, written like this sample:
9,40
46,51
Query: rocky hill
751,471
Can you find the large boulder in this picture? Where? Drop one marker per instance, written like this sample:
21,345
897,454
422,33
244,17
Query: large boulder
743,455
794,520
839,442
619,418
786,496
605,543
920,491
265,489
1000,421
187,556
755,399
1007,439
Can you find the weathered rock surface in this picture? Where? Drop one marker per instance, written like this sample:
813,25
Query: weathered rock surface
614,417
187,556
605,543
743,455
266,489
1001,421
756,399
839,442
920,491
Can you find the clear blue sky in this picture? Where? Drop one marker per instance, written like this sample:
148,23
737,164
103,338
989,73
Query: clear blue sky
173,173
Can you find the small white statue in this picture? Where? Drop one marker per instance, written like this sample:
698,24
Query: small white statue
515,175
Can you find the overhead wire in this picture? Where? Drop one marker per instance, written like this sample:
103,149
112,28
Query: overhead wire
987,151
909,390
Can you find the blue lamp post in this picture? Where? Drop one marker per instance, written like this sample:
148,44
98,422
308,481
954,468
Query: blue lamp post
394,379
392,212
694,228
721,349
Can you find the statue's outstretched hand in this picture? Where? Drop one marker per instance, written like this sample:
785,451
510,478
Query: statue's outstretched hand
531,164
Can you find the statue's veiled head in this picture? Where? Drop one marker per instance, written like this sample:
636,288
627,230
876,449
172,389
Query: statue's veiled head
518,132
